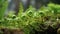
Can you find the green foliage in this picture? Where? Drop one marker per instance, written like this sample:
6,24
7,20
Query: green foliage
3,5
31,19
20,9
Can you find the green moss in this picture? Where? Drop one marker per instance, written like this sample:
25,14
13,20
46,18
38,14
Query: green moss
33,20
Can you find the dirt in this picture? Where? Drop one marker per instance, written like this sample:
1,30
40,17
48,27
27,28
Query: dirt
11,31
